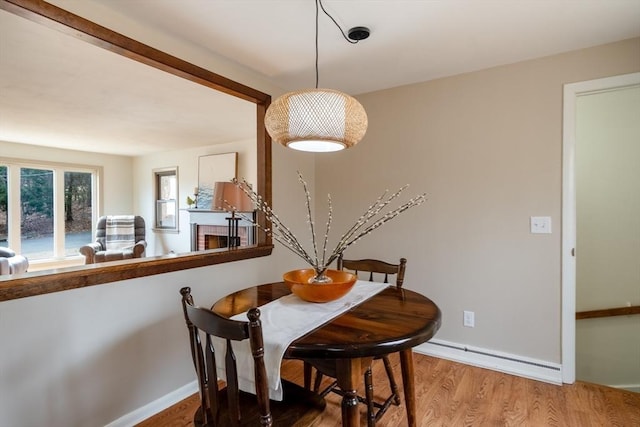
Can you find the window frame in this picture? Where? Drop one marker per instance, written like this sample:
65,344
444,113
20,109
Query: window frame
159,202
14,217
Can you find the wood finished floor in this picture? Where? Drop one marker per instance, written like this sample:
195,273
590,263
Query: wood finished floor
453,394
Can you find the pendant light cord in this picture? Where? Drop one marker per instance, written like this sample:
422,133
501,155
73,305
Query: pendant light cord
337,25
319,3
317,43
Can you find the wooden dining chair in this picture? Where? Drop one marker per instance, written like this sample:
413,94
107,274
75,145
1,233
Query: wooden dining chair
375,410
229,406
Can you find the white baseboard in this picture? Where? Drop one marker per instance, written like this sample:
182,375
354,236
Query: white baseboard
158,405
498,361
629,387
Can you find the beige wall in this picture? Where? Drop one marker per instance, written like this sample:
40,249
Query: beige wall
486,147
608,235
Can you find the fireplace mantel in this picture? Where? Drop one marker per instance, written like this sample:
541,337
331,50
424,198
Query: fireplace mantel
214,223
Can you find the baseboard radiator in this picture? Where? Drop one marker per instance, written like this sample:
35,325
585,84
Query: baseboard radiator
498,361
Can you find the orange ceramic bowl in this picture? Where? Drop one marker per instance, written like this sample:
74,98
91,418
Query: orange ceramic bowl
298,283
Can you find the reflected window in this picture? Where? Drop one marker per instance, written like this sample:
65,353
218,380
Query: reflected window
78,210
36,213
46,211
166,199
4,193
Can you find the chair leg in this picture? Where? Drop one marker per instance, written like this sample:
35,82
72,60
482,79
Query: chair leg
392,381
368,389
307,376
316,384
318,381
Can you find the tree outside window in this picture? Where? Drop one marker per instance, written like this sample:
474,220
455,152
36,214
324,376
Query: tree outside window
37,197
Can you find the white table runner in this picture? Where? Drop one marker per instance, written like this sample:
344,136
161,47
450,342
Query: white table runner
283,321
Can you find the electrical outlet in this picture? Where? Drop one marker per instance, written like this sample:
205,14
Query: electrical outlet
468,319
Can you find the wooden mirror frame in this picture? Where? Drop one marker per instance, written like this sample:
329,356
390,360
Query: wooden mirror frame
55,280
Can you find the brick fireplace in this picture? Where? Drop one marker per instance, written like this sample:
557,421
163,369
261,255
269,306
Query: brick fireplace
215,236
209,230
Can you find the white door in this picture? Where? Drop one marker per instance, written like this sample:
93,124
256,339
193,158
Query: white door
601,221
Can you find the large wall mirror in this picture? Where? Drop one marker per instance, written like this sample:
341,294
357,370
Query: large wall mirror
198,96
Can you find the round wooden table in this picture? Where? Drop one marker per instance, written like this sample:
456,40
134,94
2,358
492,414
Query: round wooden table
395,320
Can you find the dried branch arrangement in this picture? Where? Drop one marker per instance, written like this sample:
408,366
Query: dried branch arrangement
375,216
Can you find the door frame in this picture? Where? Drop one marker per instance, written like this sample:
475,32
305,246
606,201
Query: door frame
571,93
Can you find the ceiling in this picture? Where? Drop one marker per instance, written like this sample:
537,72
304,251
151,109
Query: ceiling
59,91
411,41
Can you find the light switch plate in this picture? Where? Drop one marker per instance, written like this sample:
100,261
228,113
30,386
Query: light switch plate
541,224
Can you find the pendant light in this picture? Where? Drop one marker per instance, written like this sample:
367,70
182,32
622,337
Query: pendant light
318,120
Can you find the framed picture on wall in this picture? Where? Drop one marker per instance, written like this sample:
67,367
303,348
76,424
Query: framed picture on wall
211,169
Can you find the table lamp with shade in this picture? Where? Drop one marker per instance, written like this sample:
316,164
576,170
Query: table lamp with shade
229,197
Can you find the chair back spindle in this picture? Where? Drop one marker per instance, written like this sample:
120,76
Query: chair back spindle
375,266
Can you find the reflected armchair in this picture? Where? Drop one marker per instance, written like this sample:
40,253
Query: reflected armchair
101,251
10,263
